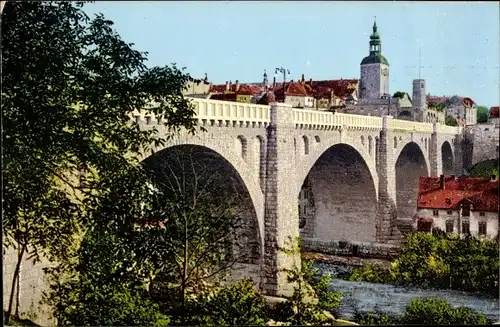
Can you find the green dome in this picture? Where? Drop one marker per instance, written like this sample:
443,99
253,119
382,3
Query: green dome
376,58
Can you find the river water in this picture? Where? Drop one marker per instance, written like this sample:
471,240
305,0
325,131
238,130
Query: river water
392,300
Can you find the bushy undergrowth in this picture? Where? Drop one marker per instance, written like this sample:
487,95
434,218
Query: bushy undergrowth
426,312
441,261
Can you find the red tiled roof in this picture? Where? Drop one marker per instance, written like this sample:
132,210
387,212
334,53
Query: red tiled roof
468,102
340,88
482,192
495,112
267,98
244,89
436,99
292,89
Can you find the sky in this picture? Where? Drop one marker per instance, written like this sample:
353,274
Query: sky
459,42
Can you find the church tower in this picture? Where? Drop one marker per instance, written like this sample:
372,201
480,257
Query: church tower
374,79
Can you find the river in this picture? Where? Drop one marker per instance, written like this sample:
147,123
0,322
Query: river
392,300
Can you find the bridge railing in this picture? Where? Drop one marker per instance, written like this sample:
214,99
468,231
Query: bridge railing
315,118
409,126
444,129
231,111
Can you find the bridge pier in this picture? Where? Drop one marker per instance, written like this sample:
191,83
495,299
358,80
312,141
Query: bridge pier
281,219
434,162
386,229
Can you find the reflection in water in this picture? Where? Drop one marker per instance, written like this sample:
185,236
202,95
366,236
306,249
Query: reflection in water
392,300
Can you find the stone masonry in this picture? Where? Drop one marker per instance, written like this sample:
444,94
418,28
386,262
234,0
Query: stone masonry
355,166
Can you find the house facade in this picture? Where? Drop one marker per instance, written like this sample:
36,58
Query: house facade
462,206
463,109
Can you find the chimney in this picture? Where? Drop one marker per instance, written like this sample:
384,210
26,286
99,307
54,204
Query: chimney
303,79
237,86
227,86
453,177
311,81
274,82
441,182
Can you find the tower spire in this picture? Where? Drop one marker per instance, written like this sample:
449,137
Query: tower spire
375,43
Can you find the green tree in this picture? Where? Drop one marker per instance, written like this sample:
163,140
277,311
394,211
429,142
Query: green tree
201,234
69,88
107,289
482,114
485,168
450,121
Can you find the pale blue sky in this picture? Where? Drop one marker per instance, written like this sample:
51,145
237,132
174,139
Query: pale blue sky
237,40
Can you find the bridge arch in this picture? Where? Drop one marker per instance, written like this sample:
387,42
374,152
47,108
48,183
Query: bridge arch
447,159
236,167
339,184
410,164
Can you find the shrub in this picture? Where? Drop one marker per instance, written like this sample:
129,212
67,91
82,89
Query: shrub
370,273
434,311
374,319
108,306
450,121
235,304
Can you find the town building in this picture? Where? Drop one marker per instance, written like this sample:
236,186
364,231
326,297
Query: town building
463,109
462,206
368,95
197,87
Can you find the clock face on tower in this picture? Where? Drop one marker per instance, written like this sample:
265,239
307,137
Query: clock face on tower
385,71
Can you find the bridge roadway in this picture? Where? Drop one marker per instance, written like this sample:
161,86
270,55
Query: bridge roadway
357,176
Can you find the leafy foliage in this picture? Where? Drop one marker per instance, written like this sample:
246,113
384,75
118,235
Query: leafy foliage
70,86
485,168
450,121
427,311
434,311
438,106
236,304
482,114
441,261
104,288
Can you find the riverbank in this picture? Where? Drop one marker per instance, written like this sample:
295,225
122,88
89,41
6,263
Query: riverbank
365,297
345,260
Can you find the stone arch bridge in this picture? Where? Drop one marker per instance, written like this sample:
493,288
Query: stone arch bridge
348,177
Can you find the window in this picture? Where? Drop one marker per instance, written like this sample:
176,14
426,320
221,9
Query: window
482,228
449,212
465,227
449,226
482,213
466,210
435,213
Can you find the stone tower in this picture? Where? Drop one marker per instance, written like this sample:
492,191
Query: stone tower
419,100
374,77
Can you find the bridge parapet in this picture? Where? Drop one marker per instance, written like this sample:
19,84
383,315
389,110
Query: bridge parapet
324,120
409,126
218,113
236,114
450,130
